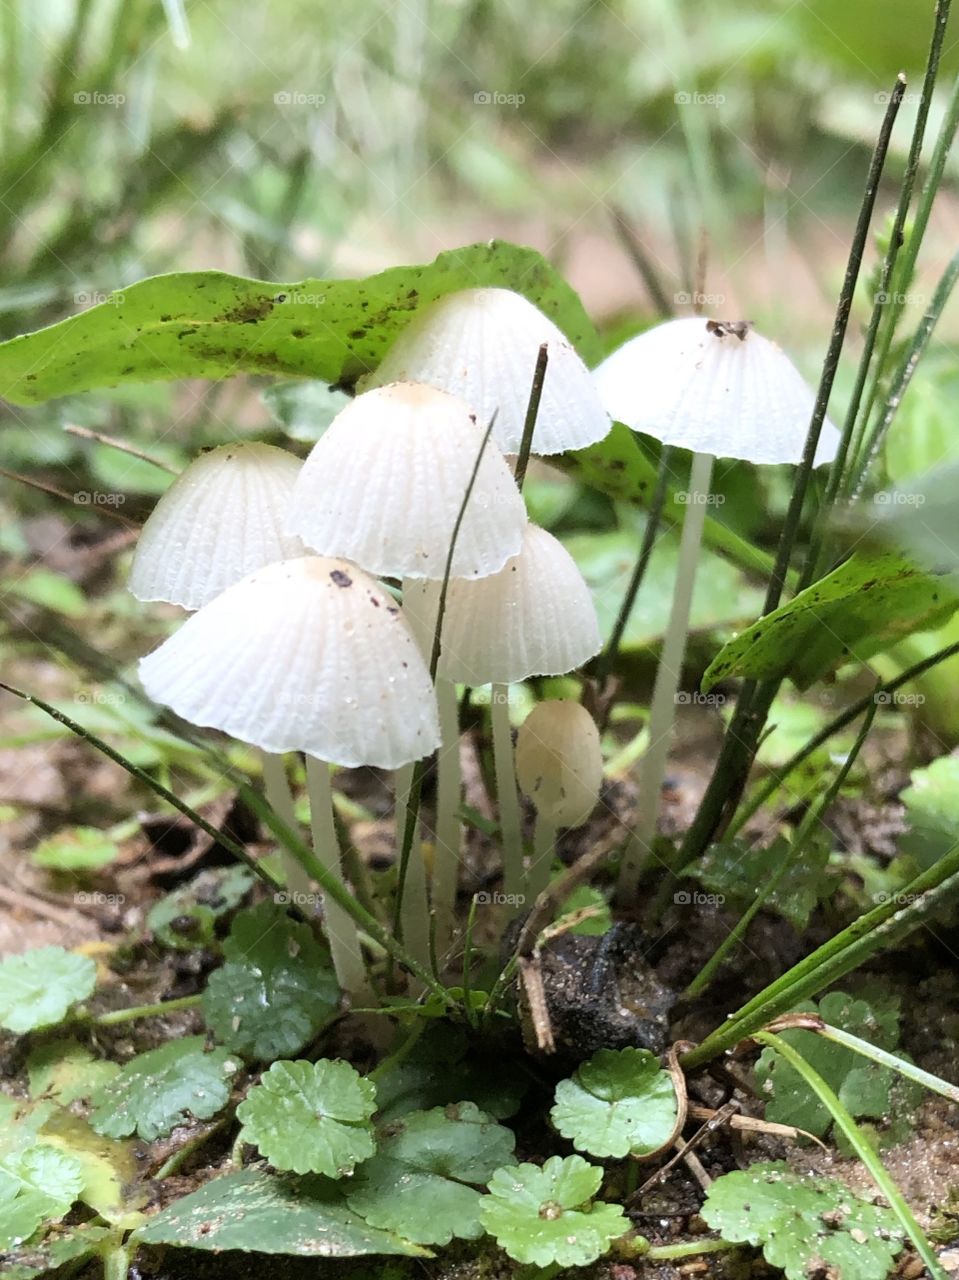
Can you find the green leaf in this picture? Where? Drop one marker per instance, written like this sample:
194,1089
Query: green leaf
275,991
619,1103
422,1180
862,1086
806,1227
735,869
593,926
107,1167
208,324
49,590
443,1069
76,849
186,918
37,1184
547,1215
34,1260
304,409
864,606
310,1117
917,518
932,809
38,987
66,1071
157,1090
258,1213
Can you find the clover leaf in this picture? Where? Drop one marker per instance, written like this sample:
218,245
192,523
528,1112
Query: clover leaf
547,1215
422,1180
619,1103
805,1227
275,991
156,1091
311,1117
38,987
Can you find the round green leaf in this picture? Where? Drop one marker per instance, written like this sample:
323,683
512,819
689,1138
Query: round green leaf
546,1215
619,1103
37,1184
156,1091
38,987
76,849
275,991
310,1117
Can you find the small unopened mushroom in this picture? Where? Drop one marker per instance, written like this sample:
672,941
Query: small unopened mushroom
535,617
482,345
305,655
219,520
718,389
559,765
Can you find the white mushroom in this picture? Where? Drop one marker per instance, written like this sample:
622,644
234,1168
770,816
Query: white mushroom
718,389
482,345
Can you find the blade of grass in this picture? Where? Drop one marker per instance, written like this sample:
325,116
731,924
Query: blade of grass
885,1059
853,1135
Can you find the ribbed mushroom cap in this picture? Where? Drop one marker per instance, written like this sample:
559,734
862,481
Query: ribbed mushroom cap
534,618
713,388
385,483
305,655
482,345
219,520
559,762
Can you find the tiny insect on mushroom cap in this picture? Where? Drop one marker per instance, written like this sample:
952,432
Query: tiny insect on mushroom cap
535,617
482,345
220,520
304,655
714,387
559,762
385,484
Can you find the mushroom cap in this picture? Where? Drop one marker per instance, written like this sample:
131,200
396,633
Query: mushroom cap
219,520
482,345
559,762
385,483
304,655
535,617
697,384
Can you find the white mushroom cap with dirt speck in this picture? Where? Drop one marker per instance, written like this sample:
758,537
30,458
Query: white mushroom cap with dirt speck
713,387
559,762
482,345
304,655
385,484
220,520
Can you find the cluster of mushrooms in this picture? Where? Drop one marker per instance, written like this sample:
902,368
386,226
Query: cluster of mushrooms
315,586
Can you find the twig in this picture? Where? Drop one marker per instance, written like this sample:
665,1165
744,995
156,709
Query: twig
111,442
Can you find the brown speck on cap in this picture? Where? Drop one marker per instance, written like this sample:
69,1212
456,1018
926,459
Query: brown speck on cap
340,578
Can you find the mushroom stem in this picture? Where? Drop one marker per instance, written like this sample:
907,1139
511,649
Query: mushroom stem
544,846
414,909
341,929
510,821
279,797
663,707
446,858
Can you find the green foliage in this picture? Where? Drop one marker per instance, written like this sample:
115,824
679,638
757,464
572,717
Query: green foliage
76,849
49,590
36,1259
310,1117
736,869
186,918
619,1103
157,1090
38,987
804,1226
547,1215
443,1068
66,1071
38,1182
932,810
862,1086
257,1212
276,989
593,926
304,409
861,608
423,1179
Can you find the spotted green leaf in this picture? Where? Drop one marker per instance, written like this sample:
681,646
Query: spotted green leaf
619,1103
